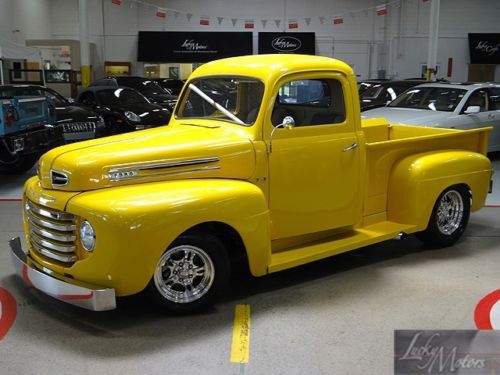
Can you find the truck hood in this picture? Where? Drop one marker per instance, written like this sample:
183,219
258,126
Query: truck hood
408,116
165,153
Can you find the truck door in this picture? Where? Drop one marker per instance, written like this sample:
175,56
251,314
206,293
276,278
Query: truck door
314,175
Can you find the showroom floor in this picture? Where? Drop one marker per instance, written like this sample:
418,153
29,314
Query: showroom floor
335,316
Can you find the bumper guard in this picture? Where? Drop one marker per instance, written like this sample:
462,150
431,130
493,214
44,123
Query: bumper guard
87,296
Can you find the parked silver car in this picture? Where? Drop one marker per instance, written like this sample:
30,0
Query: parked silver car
444,105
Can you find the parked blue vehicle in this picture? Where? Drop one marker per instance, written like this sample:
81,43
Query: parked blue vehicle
26,132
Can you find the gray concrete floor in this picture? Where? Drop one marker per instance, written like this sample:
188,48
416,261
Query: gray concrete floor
336,316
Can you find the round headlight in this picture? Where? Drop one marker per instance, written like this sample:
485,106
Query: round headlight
132,116
87,235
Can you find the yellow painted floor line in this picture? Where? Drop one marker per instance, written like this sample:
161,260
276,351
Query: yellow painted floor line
240,346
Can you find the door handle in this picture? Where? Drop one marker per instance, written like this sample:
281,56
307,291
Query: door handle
350,148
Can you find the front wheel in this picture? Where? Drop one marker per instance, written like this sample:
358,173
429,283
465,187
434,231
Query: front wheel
191,271
17,164
449,217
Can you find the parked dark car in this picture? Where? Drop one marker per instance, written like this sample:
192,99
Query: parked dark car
173,85
366,84
124,109
78,123
384,92
149,88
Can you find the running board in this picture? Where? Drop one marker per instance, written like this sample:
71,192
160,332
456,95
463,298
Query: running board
355,239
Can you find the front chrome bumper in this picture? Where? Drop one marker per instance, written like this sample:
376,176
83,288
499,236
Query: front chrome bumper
87,296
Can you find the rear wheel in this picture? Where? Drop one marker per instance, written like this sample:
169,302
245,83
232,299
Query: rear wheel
190,273
449,217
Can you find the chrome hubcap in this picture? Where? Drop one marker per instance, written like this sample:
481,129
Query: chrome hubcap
450,212
184,274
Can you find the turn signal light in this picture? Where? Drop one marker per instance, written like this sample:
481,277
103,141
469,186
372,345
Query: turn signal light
9,118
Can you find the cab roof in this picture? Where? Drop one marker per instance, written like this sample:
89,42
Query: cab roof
271,66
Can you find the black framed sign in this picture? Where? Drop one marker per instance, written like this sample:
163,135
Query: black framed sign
192,46
287,43
484,48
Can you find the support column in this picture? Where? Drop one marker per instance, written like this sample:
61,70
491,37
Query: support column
433,40
84,42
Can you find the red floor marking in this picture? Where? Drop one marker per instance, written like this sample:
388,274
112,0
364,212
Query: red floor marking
10,200
8,312
483,309
492,205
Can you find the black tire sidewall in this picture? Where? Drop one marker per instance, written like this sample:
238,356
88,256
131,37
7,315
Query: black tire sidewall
214,248
22,165
432,235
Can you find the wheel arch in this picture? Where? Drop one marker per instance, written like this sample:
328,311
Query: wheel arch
230,238
417,181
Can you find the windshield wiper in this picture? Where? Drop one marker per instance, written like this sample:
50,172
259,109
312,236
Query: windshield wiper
214,104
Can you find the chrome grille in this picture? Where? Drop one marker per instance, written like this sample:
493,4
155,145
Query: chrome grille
52,233
76,127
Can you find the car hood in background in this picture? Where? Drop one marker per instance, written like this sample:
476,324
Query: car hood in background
74,113
408,116
150,114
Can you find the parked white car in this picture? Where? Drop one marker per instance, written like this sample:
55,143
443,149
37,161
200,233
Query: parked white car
444,105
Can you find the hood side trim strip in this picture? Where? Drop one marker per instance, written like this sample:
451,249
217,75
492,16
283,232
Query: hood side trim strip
173,173
174,164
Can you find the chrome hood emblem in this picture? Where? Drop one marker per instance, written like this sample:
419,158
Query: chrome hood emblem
58,178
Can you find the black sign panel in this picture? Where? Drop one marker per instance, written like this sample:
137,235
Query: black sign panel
287,43
187,47
484,48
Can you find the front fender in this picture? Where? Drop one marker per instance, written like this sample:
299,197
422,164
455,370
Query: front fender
135,224
417,180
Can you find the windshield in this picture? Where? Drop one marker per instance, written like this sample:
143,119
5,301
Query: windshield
372,92
432,98
145,87
120,97
234,99
57,99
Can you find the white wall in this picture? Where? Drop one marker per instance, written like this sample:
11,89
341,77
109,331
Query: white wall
24,19
396,43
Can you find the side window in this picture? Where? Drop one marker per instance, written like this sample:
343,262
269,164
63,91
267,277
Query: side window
478,98
494,98
87,98
55,98
310,102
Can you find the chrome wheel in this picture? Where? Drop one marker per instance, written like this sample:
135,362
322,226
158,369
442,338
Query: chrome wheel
450,212
184,274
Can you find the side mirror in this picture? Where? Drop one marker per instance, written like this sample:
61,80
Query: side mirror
288,123
472,109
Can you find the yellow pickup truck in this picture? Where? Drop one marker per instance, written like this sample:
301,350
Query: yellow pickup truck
265,164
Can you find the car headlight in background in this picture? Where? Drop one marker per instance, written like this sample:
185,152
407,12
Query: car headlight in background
132,116
100,122
87,235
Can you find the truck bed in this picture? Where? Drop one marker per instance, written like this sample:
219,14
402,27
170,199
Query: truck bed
387,144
